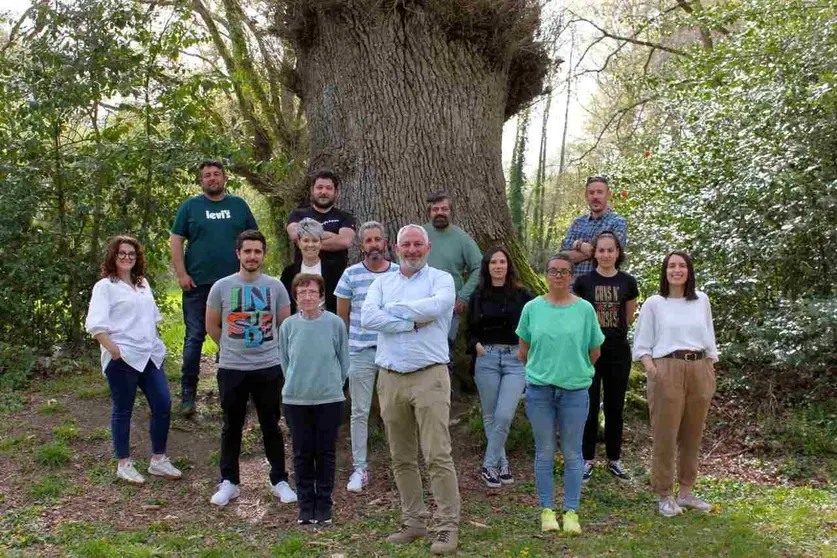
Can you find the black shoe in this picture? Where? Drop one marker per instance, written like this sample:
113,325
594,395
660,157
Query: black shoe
323,517
588,471
306,517
505,475
489,477
616,469
187,403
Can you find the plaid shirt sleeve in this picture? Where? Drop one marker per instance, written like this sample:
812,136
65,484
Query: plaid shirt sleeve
620,228
576,231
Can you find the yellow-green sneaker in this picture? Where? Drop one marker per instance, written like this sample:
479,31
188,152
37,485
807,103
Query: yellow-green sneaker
571,526
548,521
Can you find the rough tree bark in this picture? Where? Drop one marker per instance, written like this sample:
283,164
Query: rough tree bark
409,98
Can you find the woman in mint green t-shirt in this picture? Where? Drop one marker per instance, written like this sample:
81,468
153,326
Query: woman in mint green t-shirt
559,343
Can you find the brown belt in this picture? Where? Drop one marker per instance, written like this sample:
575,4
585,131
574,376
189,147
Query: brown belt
422,369
687,355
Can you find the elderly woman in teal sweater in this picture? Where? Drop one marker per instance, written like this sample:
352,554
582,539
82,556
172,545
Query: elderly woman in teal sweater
314,349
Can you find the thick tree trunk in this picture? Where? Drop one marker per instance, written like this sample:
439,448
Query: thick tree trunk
400,110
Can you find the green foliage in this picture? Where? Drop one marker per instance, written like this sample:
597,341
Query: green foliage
51,407
48,486
100,128
54,454
16,364
747,180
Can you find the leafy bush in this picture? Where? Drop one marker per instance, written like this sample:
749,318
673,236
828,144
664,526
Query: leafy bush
16,365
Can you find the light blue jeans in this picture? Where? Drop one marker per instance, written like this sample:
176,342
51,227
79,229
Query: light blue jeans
500,379
362,373
547,406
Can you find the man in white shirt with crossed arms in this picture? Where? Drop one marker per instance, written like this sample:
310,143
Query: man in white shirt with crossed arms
411,311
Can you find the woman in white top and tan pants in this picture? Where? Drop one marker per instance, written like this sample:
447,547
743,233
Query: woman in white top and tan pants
675,341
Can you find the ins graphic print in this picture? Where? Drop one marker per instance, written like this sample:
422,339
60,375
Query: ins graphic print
250,316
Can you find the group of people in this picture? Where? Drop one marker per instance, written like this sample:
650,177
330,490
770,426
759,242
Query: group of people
290,345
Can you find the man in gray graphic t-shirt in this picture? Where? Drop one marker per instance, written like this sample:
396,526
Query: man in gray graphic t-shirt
243,314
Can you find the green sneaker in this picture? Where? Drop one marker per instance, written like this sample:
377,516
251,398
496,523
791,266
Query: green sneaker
187,404
571,526
548,521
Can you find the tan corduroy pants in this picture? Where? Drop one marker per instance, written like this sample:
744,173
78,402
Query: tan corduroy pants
679,395
419,403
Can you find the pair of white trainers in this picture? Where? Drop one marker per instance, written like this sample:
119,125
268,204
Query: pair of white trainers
228,491
126,470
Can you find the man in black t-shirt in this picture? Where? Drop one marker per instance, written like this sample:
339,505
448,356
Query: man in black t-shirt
339,226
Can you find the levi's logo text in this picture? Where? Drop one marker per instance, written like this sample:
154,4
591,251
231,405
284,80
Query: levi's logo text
223,214
250,316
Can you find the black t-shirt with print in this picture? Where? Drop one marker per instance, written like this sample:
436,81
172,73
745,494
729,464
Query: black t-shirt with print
609,296
332,221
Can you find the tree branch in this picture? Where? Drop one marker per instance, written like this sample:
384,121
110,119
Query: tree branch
632,39
616,116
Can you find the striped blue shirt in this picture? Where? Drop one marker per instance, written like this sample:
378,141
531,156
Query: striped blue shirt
353,285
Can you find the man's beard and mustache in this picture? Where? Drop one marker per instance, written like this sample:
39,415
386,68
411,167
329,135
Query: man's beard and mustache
323,202
409,266
441,222
374,255
213,189
252,266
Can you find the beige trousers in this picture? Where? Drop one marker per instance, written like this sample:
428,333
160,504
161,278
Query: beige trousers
679,395
420,402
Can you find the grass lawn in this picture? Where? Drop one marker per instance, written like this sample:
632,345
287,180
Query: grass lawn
59,495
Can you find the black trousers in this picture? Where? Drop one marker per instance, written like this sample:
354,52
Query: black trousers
235,388
612,371
314,431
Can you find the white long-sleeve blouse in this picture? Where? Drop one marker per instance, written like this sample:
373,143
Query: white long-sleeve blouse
130,318
672,324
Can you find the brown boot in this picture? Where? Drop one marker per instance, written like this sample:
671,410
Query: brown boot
445,543
407,534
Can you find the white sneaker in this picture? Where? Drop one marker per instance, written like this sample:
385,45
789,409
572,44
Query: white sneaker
668,507
358,480
164,468
128,472
226,492
284,492
693,502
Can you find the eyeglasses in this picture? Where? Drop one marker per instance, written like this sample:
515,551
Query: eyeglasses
555,272
126,255
596,178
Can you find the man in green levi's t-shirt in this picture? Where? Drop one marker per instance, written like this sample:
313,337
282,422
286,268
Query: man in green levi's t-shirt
208,225
560,338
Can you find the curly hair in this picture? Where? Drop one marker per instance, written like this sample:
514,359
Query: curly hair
109,263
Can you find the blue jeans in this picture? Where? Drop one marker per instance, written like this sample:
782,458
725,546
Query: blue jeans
500,379
547,406
194,316
123,381
362,374
453,332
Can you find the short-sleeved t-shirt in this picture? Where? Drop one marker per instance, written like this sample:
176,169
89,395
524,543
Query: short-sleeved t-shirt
211,229
609,296
559,339
353,285
249,332
332,221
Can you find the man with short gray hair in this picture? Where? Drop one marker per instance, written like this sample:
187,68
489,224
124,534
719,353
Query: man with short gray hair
411,311
351,293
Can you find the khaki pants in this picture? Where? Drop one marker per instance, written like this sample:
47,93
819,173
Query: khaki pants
420,400
679,395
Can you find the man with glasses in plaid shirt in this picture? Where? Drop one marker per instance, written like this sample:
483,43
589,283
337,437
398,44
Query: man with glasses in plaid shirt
579,240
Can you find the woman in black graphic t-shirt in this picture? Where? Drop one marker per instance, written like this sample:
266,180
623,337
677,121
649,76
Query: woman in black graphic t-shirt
613,294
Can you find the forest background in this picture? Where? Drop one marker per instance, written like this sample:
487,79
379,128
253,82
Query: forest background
716,122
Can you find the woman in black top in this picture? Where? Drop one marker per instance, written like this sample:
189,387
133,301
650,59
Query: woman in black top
310,234
613,294
493,313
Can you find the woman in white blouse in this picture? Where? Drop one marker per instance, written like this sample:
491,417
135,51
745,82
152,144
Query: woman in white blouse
123,318
675,341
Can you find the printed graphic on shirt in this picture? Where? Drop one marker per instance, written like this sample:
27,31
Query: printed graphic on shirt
607,305
250,316
223,214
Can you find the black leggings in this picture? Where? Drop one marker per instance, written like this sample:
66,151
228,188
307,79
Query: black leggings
612,371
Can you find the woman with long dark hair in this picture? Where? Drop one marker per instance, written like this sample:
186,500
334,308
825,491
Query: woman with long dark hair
613,294
493,314
123,318
675,340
